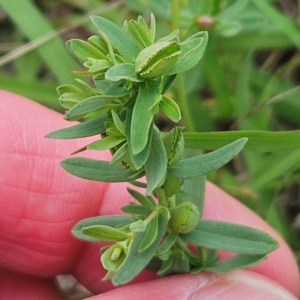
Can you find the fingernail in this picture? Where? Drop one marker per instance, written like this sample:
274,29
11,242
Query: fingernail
240,285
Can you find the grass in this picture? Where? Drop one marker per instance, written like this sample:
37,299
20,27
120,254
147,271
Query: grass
247,84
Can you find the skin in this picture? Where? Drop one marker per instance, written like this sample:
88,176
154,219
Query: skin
40,203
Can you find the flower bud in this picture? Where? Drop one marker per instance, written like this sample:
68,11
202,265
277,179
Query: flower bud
157,59
184,217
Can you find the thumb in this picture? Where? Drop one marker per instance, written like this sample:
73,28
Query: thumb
240,284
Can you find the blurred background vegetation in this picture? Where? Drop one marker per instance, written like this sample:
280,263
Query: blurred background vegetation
247,84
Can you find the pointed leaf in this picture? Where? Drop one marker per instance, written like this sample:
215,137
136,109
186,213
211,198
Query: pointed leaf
170,109
192,51
106,143
230,237
88,128
206,163
125,45
239,261
88,105
145,201
112,221
98,170
150,234
156,164
142,117
104,233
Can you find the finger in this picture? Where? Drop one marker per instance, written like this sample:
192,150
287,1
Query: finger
40,202
244,285
18,286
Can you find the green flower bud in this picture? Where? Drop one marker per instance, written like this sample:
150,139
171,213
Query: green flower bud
184,217
157,59
113,257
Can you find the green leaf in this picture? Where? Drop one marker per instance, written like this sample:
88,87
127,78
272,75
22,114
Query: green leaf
170,109
118,123
168,242
156,164
177,263
257,140
112,89
136,261
239,261
142,117
104,233
88,105
174,144
139,32
88,128
230,237
70,88
135,209
84,50
148,202
192,51
206,163
68,100
106,143
150,234
123,71
112,221
138,160
125,45
98,170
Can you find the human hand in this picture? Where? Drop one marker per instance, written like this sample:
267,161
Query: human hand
40,203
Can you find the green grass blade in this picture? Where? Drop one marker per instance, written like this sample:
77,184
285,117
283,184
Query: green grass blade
257,140
34,25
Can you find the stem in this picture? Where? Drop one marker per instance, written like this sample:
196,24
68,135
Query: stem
180,88
161,196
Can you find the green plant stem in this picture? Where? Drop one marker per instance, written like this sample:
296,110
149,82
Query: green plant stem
162,200
180,88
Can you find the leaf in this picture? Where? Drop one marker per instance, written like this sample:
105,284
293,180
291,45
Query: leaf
136,209
88,128
136,261
125,45
156,164
112,89
168,242
106,143
230,237
88,105
123,71
139,32
192,51
150,234
142,117
112,221
170,109
257,140
84,50
98,170
174,144
206,163
239,261
104,233
138,160
118,123
145,201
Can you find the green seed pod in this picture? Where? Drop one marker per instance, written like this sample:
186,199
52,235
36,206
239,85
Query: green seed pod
157,59
184,217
